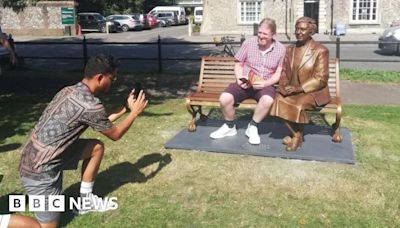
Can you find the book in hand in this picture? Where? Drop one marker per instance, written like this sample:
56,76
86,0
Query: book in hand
253,77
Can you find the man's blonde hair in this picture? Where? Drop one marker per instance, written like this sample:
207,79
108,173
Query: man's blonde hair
270,23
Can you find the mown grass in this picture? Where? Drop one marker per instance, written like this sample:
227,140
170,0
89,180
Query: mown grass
371,76
157,187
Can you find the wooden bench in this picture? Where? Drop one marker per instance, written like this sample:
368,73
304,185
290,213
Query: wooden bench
217,72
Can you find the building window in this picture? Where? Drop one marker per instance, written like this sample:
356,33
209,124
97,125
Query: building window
364,11
249,11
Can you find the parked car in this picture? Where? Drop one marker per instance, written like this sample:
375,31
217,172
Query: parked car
391,34
150,21
128,22
166,18
96,22
179,11
198,15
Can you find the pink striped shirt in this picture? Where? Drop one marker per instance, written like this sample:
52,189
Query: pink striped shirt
253,59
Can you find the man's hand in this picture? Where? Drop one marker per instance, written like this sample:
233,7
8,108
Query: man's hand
242,84
137,105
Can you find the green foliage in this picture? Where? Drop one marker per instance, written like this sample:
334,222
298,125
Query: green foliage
16,5
196,28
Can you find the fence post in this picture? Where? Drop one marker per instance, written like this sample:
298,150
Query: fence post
85,57
338,47
159,54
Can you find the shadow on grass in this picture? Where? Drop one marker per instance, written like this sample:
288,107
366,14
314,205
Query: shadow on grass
116,176
9,147
25,93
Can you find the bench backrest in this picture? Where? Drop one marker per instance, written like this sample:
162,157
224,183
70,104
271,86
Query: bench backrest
217,72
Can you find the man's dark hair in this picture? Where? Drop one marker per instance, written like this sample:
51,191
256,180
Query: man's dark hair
100,64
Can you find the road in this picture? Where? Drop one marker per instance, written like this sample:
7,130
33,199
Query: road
169,34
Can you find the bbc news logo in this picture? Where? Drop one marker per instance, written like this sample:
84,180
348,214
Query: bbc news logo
56,203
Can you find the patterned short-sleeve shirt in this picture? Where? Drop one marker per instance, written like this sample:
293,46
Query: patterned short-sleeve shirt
264,64
69,114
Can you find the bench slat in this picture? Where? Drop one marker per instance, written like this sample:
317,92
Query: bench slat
217,74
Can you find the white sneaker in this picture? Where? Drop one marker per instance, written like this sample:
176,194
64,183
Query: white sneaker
223,131
252,133
95,204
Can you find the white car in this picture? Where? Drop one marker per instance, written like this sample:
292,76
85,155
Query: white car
391,34
128,22
198,15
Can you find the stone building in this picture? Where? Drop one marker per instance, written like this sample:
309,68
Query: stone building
241,16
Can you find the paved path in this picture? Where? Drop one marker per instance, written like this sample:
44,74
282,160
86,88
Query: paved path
363,93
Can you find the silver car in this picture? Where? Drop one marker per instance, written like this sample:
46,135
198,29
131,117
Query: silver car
391,34
128,22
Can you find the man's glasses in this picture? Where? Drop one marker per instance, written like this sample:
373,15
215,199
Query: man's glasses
113,78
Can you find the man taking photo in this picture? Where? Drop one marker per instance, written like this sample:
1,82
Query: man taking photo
54,144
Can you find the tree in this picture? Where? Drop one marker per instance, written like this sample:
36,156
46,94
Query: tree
16,5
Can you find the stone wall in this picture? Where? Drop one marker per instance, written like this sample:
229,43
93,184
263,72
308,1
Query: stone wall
44,19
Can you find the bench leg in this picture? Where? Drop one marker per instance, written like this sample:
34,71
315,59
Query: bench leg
193,110
337,137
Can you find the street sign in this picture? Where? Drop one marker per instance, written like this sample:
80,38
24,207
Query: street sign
67,15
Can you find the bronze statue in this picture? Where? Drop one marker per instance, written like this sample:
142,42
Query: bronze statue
303,82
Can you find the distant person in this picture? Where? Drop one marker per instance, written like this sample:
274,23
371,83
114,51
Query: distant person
258,68
54,144
6,44
303,84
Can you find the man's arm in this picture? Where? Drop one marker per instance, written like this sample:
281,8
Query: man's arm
136,106
239,74
275,77
117,114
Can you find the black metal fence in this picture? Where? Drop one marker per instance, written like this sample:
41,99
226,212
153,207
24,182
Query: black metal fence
161,56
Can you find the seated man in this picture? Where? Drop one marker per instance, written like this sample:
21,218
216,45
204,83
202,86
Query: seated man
259,57
303,84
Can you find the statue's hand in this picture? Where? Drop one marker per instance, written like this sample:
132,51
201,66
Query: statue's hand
289,89
293,89
281,90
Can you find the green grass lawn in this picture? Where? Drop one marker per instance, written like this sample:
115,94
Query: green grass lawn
176,188
370,76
